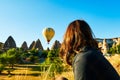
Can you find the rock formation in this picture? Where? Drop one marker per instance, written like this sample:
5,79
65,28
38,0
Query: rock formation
115,40
105,47
56,45
9,43
38,45
118,41
24,46
32,45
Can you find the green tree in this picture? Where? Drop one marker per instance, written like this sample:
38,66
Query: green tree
8,59
33,58
11,57
44,53
118,49
114,50
2,62
2,67
53,58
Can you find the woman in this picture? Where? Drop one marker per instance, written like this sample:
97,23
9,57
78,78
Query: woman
80,50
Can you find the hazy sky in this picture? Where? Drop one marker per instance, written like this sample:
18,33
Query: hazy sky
24,20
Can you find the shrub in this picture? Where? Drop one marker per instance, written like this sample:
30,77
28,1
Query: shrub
2,67
115,49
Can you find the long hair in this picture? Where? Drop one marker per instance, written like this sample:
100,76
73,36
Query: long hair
77,35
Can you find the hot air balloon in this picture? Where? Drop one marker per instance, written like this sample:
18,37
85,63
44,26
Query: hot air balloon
48,34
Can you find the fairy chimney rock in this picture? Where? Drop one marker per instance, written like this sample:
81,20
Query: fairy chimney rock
118,41
32,45
56,45
105,47
24,45
38,45
9,43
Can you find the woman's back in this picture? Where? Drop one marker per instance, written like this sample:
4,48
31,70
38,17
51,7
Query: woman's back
92,65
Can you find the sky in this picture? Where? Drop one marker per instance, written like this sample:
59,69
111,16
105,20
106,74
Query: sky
25,20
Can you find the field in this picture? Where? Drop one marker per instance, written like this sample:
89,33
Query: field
115,61
30,72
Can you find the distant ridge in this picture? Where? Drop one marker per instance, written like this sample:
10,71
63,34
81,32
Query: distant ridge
10,43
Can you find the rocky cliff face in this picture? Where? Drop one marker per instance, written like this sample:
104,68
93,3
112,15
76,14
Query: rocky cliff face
106,44
9,43
118,41
105,47
24,45
32,45
56,45
38,45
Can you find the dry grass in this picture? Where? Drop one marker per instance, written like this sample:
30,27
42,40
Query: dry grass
25,73
68,75
115,61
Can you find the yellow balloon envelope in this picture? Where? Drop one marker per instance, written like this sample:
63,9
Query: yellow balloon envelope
48,34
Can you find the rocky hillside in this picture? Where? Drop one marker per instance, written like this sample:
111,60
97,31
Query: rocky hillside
56,45
9,43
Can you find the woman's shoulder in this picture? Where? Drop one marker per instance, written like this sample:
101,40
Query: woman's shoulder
89,53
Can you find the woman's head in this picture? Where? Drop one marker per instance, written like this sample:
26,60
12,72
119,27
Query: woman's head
77,35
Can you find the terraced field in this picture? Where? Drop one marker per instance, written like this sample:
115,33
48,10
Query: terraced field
31,72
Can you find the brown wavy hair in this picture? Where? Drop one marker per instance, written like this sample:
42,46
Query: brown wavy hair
77,35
